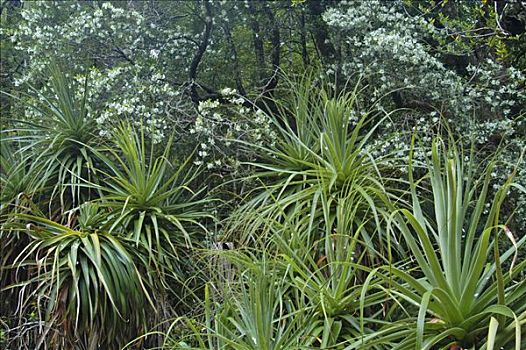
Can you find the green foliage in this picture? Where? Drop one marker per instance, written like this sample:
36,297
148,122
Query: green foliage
84,267
436,61
298,288
455,286
262,315
55,140
164,185
85,282
20,178
321,150
149,199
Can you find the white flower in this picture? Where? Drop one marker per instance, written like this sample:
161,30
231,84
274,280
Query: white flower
227,91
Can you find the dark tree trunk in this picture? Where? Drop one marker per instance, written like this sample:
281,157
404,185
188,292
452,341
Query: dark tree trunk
303,39
320,31
205,39
257,40
237,70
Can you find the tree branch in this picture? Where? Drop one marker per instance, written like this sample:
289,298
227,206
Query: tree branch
205,39
275,52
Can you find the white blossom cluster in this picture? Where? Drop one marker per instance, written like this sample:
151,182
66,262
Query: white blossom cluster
122,50
223,129
393,50
496,87
387,45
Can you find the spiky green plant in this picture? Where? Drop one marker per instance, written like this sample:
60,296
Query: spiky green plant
84,283
328,271
57,137
150,200
456,283
257,312
313,271
322,149
21,188
20,179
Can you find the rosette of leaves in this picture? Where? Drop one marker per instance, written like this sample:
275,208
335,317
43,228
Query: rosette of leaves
84,284
20,178
150,200
455,293
322,149
258,312
324,265
21,188
55,138
281,294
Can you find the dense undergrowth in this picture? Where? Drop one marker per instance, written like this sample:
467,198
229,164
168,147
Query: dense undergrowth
111,243
257,175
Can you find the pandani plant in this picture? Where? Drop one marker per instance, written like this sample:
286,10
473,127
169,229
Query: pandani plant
454,293
322,148
56,135
82,284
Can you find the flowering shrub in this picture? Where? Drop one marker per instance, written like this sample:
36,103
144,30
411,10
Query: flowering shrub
223,129
119,49
397,52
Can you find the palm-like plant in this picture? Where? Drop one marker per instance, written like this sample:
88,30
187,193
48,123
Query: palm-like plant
86,281
258,312
149,199
457,284
21,187
264,315
322,149
57,137
20,179
324,266
297,290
